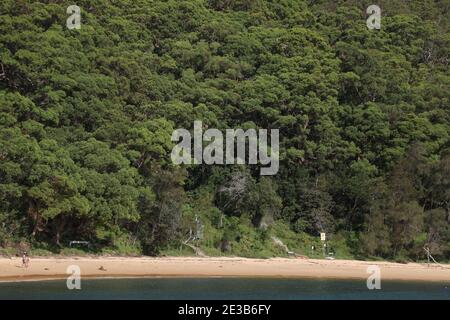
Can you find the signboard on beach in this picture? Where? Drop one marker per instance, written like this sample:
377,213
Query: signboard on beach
322,236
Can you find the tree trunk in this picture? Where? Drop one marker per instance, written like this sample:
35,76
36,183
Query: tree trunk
60,223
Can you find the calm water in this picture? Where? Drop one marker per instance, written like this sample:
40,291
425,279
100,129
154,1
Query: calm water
220,288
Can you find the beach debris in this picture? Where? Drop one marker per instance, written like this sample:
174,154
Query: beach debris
102,268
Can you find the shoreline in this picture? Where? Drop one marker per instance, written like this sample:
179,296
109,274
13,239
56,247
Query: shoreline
54,268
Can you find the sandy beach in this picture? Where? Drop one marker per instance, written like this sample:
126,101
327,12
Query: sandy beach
54,268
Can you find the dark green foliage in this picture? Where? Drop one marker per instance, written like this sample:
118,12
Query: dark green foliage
86,118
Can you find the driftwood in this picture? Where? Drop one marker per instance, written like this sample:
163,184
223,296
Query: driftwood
197,250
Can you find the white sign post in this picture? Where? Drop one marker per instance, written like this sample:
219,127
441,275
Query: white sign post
323,239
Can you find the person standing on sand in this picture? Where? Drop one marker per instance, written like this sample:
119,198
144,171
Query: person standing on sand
25,260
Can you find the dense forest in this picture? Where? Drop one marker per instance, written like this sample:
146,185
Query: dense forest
86,118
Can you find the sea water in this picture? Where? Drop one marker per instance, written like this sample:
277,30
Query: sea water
224,289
